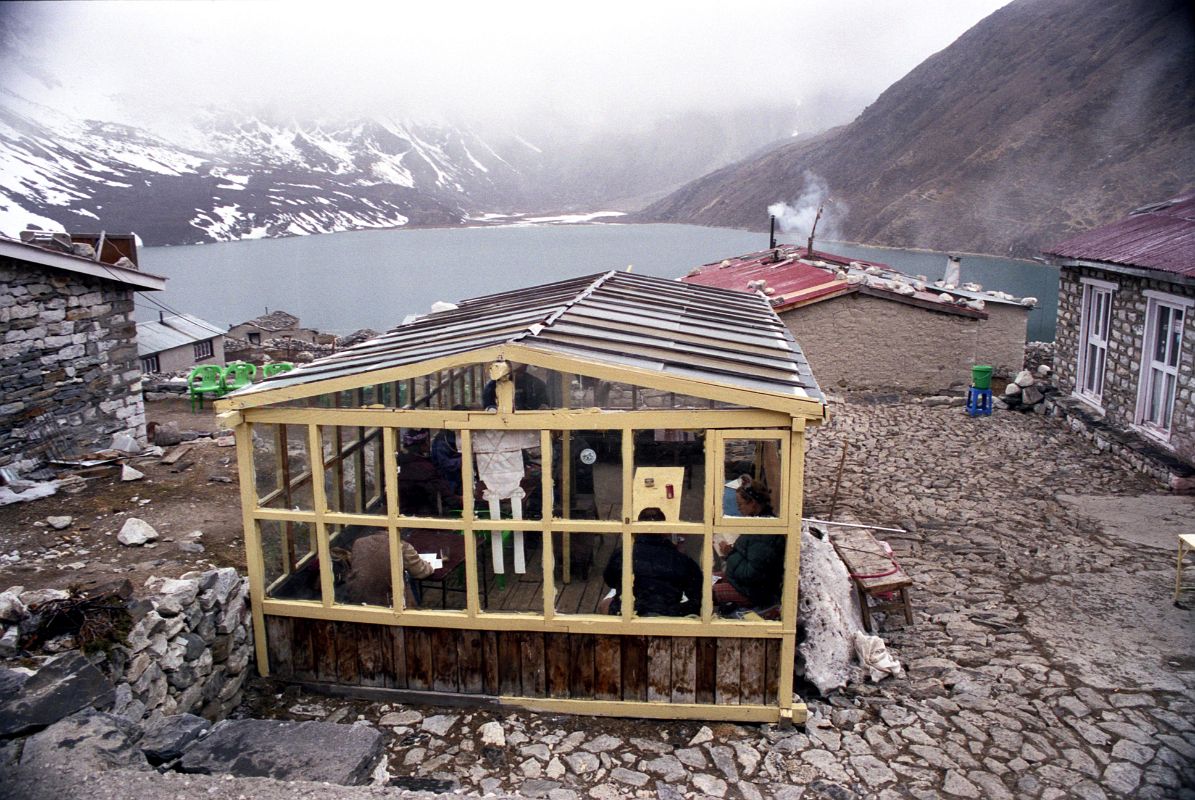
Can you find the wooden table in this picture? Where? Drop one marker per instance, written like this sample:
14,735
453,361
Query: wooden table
1186,544
450,546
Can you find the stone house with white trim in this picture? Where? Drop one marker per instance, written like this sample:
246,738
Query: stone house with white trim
1125,347
69,372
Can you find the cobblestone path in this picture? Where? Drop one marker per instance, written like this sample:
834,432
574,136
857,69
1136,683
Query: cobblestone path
1047,659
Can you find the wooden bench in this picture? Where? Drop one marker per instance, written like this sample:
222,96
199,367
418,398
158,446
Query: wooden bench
873,571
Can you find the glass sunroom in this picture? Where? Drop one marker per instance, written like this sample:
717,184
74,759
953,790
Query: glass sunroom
444,509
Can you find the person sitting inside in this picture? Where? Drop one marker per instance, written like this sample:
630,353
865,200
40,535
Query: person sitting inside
366,578
447,460
419,483
667,583
753,568
531,393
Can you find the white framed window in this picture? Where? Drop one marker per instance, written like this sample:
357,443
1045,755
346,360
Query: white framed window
203,349
149,364
1095,325
1161,354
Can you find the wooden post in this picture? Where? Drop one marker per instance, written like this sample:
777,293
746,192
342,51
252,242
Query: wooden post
472,597
628,487
390,467
549,560
359,461
327,590
253,556
795,469
282,473
566,483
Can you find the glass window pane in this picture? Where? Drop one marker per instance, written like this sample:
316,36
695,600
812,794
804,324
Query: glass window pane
670,473
429,473
751,478
1161,333
589,472
509,469
580,589
1167,400
291,564
444,586
666,575
750,568
1176,338
361,565
281,467
510,570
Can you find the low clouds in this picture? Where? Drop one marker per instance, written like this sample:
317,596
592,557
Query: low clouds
589,64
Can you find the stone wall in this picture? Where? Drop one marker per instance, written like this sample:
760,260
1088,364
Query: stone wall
69,372
862,342
189,649
1124,351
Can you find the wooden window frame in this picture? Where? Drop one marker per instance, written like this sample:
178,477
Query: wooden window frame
151,365
1098,294
204,349
1155,302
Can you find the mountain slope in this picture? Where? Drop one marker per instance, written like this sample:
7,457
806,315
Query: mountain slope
1047,117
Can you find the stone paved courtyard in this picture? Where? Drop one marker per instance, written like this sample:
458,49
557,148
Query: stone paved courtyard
1047,660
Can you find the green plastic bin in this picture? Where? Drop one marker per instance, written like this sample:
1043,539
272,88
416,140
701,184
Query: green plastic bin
981,377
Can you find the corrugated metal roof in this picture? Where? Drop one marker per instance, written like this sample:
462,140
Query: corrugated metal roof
1157,237
616,318
173,331
795,279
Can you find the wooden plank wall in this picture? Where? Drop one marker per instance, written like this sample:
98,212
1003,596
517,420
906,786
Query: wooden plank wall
526,664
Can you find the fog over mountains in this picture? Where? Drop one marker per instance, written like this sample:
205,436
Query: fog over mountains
1046,118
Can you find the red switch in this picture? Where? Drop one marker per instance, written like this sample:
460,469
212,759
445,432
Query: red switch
669,491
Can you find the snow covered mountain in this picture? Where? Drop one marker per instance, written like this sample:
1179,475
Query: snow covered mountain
246,178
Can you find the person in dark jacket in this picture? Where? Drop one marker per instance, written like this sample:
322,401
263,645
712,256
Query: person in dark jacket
753,571
447,460
419,484
667,583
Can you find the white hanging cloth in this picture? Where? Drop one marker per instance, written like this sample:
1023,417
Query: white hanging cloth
500,466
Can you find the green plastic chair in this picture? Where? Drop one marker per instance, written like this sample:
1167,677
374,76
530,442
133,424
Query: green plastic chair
276,368
238,374
204,379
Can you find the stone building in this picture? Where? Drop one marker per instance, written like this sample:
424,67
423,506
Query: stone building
69,374
177,342
272,325
1124,349
864,325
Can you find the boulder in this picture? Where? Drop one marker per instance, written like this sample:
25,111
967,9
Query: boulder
167,738
304,751
1024,378
1011,389
35,597
127,473
1031,396
167,435
59,523
82,744
125,443
136,532
64,685
11,607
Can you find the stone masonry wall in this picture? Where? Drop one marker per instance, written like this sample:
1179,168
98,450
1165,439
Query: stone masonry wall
190,649
1124,351
69,372
862,342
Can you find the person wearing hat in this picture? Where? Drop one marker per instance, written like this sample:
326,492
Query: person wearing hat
753,567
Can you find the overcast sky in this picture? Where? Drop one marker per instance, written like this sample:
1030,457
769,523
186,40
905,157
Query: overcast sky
492,61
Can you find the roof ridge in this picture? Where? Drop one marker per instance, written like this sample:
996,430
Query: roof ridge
534,329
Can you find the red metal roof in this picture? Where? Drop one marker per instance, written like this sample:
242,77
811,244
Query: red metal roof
1157,237
794,279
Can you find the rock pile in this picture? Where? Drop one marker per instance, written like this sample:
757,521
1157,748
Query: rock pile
1028,391
187,650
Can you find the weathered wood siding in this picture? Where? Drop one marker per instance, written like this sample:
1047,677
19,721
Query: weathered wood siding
525,664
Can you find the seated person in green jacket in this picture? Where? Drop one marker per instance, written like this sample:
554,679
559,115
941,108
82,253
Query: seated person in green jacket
753,567
667,583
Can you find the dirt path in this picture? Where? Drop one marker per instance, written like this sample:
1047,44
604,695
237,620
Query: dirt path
201,496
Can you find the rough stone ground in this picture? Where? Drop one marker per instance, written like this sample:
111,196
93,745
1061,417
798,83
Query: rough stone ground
202,497
1047,659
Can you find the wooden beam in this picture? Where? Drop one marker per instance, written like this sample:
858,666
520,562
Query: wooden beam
253,553
645,710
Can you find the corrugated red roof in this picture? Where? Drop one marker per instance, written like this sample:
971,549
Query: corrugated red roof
1158,237
794,279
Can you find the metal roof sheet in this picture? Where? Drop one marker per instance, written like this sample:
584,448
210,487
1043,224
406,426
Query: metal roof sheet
173,331
795,278
616,318
1157,237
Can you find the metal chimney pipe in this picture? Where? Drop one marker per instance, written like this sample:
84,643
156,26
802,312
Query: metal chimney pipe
772,234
